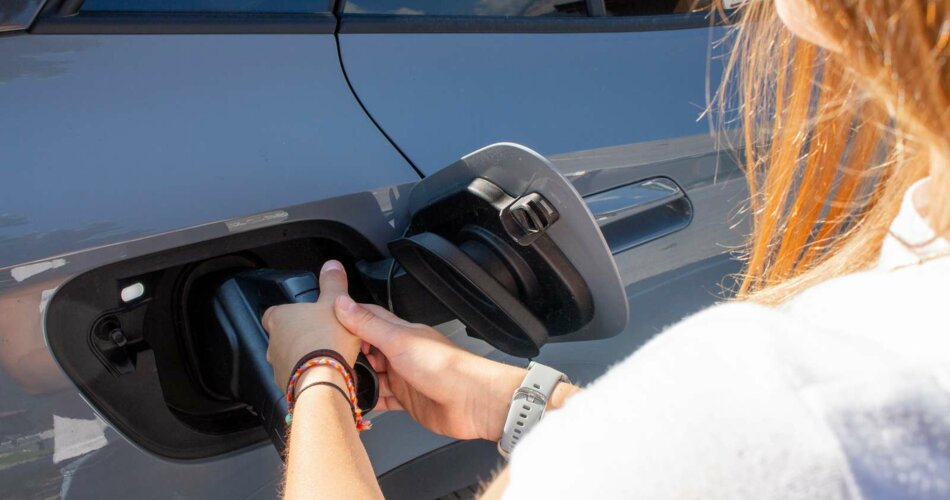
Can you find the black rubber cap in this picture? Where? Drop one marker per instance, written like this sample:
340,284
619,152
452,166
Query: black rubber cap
479,301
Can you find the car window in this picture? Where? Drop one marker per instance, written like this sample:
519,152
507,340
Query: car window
508,8
654,7
275,6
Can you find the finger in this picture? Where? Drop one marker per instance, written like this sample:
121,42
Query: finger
361,322
332,281
378,361
389,403
268,317
392,403
380,405
386,314
384,388
365,347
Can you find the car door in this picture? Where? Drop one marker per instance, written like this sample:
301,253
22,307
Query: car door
131,127
226,134
613,93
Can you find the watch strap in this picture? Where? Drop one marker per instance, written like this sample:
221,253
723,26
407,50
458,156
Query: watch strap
528,404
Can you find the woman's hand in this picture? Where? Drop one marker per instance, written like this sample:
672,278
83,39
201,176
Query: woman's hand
297,329
445,388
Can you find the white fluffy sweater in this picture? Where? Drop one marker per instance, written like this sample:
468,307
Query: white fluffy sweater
843,392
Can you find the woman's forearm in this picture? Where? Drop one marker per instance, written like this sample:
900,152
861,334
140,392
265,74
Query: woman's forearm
326,458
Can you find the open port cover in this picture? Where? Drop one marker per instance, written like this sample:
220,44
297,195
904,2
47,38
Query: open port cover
509,247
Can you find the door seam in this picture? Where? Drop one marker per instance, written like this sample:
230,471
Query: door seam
346,78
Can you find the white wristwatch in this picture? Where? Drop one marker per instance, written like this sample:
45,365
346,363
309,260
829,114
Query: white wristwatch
527,404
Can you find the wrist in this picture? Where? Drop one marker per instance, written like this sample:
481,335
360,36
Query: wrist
321,394
504,380
320,374
329,377
501,389
561,392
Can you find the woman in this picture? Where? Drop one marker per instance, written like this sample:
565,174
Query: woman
830,378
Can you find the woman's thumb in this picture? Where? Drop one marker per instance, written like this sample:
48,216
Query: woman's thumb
363,323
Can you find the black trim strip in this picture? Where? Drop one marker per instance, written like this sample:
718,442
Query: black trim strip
183,24
596,8
384,23
69,7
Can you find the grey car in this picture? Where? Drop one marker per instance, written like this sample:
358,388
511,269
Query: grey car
144,142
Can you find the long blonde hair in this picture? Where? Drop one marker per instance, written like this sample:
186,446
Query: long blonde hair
833,139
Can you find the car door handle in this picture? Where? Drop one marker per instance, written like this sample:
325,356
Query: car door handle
634,214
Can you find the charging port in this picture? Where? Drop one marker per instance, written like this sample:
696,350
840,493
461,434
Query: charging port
135,356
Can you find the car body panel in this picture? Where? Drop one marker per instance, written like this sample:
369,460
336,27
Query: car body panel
607,108
555,93
17,15
117,146
139,135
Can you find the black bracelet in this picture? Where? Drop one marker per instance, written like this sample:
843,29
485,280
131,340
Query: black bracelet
328,384
325,353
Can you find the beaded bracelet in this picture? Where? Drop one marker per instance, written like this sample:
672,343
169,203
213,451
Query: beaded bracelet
306,364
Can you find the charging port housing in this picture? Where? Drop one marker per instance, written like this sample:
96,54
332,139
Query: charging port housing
134,359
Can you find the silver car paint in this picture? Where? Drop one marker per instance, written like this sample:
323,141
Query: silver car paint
115,129
125,145
18,14
554,93
114,146
607,109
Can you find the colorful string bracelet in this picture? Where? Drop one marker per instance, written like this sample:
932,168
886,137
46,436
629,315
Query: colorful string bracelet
324,358
330,385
